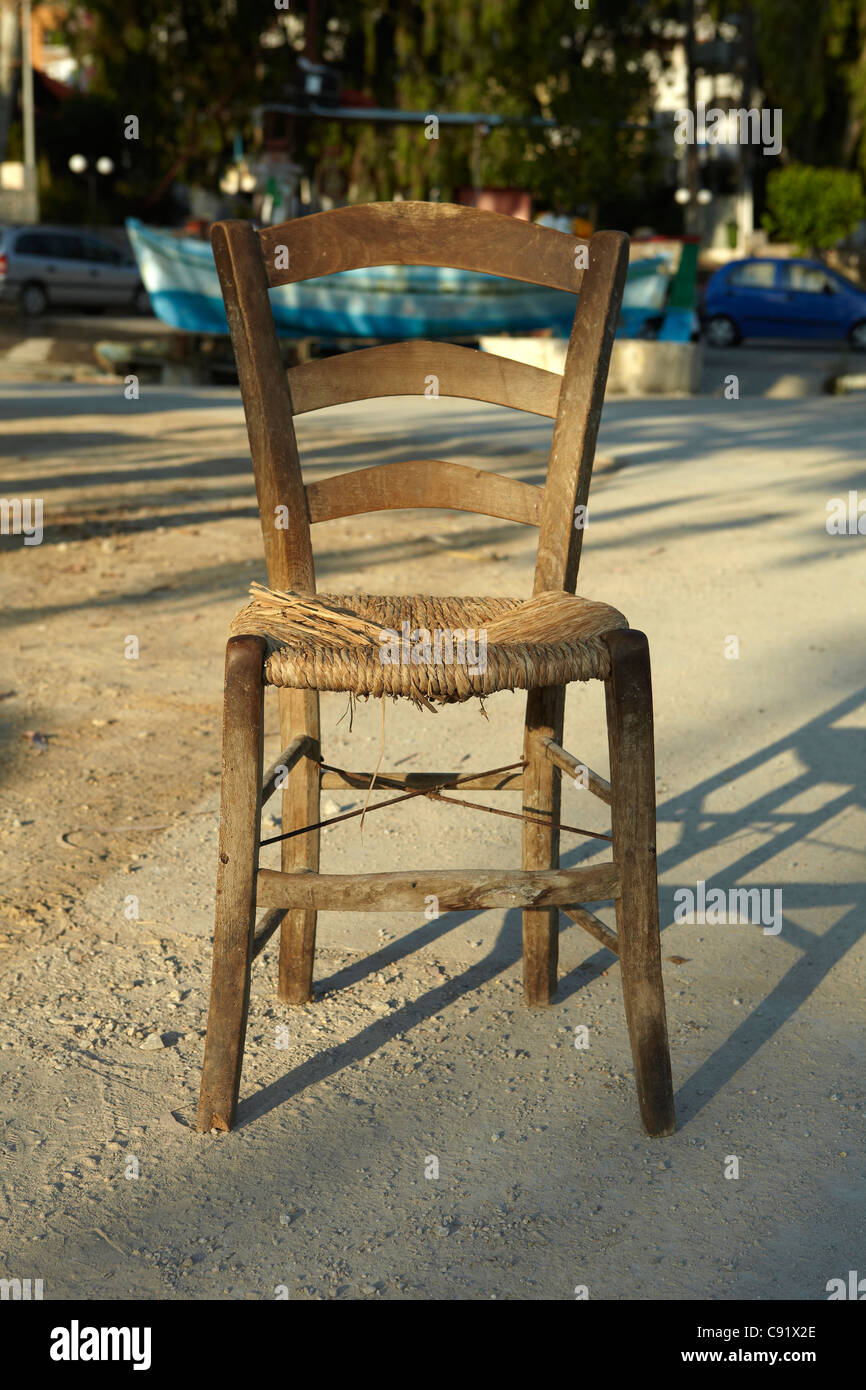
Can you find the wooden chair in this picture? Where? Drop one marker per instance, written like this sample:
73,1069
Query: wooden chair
595,643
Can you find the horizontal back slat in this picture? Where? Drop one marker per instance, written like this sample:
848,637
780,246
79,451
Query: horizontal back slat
420,234
424,483
423,369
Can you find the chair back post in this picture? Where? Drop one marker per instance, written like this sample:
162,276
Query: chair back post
581,397
267,404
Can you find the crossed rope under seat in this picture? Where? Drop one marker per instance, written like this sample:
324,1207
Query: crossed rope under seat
434,795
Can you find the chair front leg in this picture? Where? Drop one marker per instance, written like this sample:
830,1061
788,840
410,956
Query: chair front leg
240,815
299,714
628,692
541,798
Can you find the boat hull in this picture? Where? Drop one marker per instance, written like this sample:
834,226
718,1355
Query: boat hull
397,302
392,302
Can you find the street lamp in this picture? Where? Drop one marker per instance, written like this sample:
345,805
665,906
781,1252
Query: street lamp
702,198
79,164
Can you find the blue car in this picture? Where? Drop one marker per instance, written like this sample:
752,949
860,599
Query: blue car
765,298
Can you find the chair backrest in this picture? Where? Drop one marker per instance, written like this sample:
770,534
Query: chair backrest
434,234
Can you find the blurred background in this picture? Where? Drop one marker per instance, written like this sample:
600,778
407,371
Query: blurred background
117,118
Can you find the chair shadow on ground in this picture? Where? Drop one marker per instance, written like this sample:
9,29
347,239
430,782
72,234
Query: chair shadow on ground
829,756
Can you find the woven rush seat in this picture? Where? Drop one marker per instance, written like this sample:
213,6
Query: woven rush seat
429,650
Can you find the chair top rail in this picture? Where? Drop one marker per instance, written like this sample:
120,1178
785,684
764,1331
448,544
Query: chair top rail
415,233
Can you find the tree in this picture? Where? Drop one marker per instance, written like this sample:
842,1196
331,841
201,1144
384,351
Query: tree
192,73
813,67
584,68
814,208
189,72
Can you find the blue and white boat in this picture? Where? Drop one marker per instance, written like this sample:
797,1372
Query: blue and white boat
390,302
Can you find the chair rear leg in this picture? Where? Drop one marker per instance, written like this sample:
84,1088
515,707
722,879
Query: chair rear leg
240,814
541,797
628,692
299,714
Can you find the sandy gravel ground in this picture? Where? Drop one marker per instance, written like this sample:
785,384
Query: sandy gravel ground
417,1057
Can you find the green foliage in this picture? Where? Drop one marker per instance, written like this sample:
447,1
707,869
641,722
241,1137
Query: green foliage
814,208
192,73
187,70
813,66
586,69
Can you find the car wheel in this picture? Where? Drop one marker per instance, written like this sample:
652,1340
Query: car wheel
33,300
722,332
857,336
141,301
